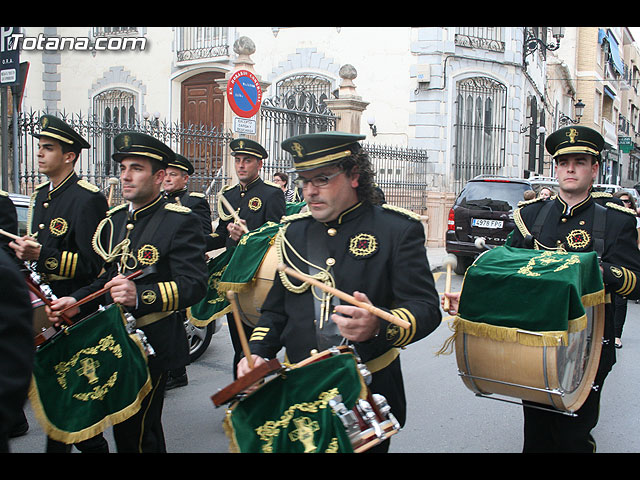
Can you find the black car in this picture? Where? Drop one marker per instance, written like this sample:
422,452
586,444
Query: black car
484,209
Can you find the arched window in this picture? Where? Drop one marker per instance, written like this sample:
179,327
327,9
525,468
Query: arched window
116,109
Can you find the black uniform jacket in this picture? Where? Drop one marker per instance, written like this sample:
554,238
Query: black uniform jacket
165,236
64,220
8,221
374,250
259,202
573,230
199,205
16,345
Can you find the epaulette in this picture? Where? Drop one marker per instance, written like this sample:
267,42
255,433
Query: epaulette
522,203
270,183
3,193
43,184
402,211
88,186
295,216
601,195
196,194
620,208
174,207
113,210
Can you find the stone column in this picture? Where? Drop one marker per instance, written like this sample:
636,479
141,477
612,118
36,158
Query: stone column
348,107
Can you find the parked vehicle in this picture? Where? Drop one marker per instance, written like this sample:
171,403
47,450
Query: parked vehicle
484,209
21,202
606,187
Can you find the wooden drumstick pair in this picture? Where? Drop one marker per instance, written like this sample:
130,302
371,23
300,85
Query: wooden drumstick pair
234,214
346,297
334,291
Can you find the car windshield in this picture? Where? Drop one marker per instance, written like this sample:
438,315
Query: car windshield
501,196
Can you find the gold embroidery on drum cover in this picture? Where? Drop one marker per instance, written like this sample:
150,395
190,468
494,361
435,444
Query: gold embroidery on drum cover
148,254
578,239
255,203
58,227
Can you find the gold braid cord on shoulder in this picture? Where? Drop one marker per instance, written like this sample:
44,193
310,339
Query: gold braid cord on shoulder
111,253
282,245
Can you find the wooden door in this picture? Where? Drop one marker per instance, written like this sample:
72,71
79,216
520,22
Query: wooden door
203,111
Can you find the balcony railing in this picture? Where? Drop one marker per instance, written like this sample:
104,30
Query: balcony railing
195,43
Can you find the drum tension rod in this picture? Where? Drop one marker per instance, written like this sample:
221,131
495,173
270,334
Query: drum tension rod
537,407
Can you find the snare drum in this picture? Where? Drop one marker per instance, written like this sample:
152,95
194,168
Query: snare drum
251,299
319,405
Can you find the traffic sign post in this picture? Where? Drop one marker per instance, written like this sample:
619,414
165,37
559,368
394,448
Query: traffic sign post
244,93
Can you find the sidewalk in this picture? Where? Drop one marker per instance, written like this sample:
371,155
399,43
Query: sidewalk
436,256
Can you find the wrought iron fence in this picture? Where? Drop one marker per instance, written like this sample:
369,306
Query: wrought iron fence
206,148
401,173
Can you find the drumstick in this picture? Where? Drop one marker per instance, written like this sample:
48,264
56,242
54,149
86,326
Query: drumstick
38,293
94,295
243,338
112,185
16,237
234,214
450,262
346,297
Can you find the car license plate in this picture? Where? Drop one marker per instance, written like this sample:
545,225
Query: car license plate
484,223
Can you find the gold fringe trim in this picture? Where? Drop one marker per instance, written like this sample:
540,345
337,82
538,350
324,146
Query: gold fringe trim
74,437
198,322
511,334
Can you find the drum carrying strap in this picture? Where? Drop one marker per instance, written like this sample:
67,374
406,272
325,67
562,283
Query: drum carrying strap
327,332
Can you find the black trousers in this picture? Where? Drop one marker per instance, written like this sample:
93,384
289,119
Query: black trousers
143,432
97,444
550,432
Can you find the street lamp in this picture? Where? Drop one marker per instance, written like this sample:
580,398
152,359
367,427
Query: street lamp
566,120
531,42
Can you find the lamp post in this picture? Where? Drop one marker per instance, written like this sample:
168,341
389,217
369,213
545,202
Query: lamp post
579,110
532,43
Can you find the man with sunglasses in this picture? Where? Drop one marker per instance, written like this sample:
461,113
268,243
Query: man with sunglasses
375,253
255,202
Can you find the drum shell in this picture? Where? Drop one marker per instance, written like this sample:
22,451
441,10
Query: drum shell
534,373
250,300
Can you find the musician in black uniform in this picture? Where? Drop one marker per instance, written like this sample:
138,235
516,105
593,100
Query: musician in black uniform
255,201
165,239
176,190
8,221
575,222
16,346
375,253
64,212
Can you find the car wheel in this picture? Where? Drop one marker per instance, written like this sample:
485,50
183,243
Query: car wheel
462,263
199,338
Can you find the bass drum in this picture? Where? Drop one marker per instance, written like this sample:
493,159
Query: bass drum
250,300
560,377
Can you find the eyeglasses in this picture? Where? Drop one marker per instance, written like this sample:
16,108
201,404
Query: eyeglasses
626,201
318,181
